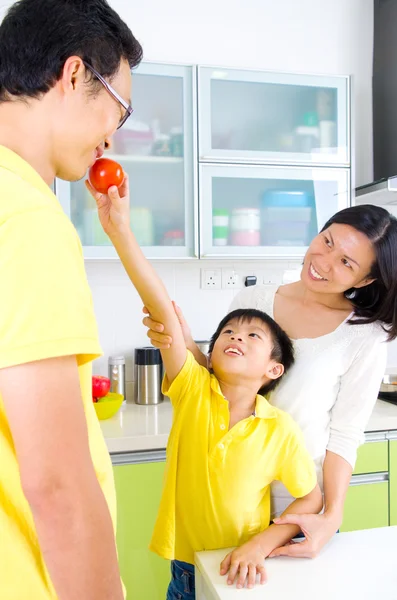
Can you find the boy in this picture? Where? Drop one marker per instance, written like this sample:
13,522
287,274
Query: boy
227,444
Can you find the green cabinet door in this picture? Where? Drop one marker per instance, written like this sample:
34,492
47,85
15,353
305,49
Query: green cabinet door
138,487
393,480
367,503
372,457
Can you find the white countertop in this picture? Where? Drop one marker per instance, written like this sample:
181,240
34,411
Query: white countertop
140,428
359,564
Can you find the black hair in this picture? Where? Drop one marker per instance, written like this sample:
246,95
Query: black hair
38,36
376,301
282,349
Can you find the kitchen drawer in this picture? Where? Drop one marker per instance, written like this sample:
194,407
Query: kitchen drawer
372,457
367,503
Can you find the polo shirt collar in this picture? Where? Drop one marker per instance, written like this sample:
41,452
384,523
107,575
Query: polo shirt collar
16,164
263,410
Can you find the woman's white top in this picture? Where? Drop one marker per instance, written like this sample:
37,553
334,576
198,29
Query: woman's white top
331,389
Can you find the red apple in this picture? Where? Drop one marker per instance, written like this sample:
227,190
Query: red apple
100,386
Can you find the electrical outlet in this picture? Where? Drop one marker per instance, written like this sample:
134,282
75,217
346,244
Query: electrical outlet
230,279
272,277
211,279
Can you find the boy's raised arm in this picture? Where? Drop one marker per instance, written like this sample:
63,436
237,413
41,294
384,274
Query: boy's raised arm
114,214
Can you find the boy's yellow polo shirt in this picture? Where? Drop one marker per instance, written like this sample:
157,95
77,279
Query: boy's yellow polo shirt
45,311
217,482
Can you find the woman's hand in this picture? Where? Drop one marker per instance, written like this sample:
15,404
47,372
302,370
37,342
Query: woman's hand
113,207
317,529
156,335
244,563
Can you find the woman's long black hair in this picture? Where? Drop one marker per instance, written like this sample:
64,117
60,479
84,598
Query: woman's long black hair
378,300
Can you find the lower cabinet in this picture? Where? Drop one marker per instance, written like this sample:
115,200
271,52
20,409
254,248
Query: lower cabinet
393,479
371,501
138,487
367,503
367,500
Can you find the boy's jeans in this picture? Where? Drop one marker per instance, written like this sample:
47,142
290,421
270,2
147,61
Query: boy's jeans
182,584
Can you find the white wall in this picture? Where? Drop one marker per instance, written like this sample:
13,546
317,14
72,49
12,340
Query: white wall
313,36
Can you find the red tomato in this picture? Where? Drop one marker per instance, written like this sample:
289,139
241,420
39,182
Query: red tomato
100,386
104,173
94,399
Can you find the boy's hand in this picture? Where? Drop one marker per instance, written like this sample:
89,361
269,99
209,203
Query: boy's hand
113,207
245,563
156,335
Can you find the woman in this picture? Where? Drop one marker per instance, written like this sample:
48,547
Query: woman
339,315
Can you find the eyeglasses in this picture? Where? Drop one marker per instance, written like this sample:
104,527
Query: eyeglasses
128,108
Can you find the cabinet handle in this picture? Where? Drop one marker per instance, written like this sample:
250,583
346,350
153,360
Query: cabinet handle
369,478
133,458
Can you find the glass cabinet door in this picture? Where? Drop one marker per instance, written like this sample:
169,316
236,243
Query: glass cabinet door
156,147
254,116
251,211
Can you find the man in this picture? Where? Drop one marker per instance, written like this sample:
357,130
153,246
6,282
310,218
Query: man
65,81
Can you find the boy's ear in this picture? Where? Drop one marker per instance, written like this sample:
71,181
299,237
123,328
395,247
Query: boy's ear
275,371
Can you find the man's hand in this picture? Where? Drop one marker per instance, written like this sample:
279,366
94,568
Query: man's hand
317,529
244,563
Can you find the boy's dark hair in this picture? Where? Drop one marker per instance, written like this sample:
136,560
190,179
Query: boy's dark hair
282,351
38,36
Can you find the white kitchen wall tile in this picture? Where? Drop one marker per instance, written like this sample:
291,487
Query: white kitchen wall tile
104,307
203,309
119,310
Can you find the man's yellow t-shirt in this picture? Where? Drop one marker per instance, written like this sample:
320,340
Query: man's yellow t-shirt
46,311
217,481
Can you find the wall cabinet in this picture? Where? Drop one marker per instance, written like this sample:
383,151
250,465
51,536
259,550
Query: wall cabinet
223,162
275,118
266,211
156,148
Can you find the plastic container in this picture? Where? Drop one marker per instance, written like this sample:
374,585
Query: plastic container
220,226
245,219
245,225
175,237
142,225
287,218
176,141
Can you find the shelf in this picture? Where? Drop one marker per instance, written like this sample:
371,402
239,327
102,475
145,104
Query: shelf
158,160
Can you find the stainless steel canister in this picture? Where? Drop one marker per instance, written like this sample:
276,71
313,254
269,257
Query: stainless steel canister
117,375
148,376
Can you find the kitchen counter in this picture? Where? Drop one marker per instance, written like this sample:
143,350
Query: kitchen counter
141,428
359,564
